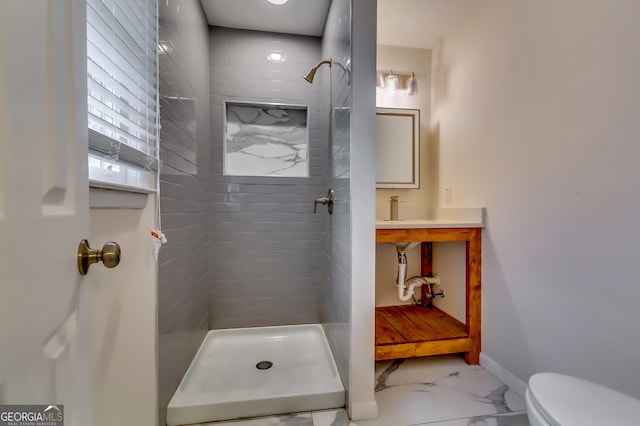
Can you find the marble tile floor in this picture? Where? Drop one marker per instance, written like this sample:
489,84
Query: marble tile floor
443,391
433,391
315,418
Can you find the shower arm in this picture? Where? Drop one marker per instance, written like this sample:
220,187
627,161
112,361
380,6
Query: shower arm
312,72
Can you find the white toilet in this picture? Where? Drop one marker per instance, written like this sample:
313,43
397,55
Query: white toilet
559,400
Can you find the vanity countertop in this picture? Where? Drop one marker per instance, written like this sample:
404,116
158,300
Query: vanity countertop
412,224
440,218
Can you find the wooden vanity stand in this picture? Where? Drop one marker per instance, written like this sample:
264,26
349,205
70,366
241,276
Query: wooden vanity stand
406,331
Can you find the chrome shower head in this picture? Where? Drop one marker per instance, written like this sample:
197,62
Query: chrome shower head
312,72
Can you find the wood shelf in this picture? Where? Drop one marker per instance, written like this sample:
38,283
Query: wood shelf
407,331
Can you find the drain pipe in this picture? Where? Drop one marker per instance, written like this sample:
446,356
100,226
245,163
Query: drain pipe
405,294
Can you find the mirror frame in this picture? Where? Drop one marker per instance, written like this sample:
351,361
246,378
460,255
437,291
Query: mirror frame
409,144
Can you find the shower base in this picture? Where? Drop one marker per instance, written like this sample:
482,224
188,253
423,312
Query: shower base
250,372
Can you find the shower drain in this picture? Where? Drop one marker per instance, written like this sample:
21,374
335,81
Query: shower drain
264,365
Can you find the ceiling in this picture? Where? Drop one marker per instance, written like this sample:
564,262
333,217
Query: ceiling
418,23
304,17
408,23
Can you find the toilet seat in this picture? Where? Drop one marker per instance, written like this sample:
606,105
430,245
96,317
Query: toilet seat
565,400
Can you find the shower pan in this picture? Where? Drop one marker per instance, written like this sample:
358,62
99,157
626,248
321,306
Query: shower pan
249,372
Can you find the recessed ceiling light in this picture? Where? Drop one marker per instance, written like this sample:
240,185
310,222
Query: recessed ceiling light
277,56
278,2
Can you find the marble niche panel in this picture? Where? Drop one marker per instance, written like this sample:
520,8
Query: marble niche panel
266,140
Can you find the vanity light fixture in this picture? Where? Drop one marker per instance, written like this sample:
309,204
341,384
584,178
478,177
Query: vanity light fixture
397,81
412,84
391,82
278,2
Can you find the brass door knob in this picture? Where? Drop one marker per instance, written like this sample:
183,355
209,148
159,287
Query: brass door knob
109,256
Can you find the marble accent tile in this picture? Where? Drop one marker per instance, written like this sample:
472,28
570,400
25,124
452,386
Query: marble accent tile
426,390
266,140
297,419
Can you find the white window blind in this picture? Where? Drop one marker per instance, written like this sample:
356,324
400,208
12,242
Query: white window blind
122,71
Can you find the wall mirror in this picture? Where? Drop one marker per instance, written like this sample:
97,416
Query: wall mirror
398,148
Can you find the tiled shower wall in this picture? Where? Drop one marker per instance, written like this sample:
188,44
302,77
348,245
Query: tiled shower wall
336,302
266,243
248,251
183,274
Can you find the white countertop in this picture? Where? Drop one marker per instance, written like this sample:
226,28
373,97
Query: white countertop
412,224
440,218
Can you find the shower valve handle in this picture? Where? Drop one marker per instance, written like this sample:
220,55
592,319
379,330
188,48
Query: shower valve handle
325,201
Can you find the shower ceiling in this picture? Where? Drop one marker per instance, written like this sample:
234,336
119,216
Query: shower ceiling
303,17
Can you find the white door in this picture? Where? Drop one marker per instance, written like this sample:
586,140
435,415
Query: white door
44,323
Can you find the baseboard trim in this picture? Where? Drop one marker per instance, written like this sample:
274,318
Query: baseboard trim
365,410
505,376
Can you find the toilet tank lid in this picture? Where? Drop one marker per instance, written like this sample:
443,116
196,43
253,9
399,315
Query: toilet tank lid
568,400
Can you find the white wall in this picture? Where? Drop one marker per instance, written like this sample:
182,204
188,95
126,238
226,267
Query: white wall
361,403
123,326
536,105
414,202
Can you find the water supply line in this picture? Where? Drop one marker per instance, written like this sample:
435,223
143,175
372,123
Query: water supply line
405,286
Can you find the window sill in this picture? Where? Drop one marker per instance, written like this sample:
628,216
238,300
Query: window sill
117,197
